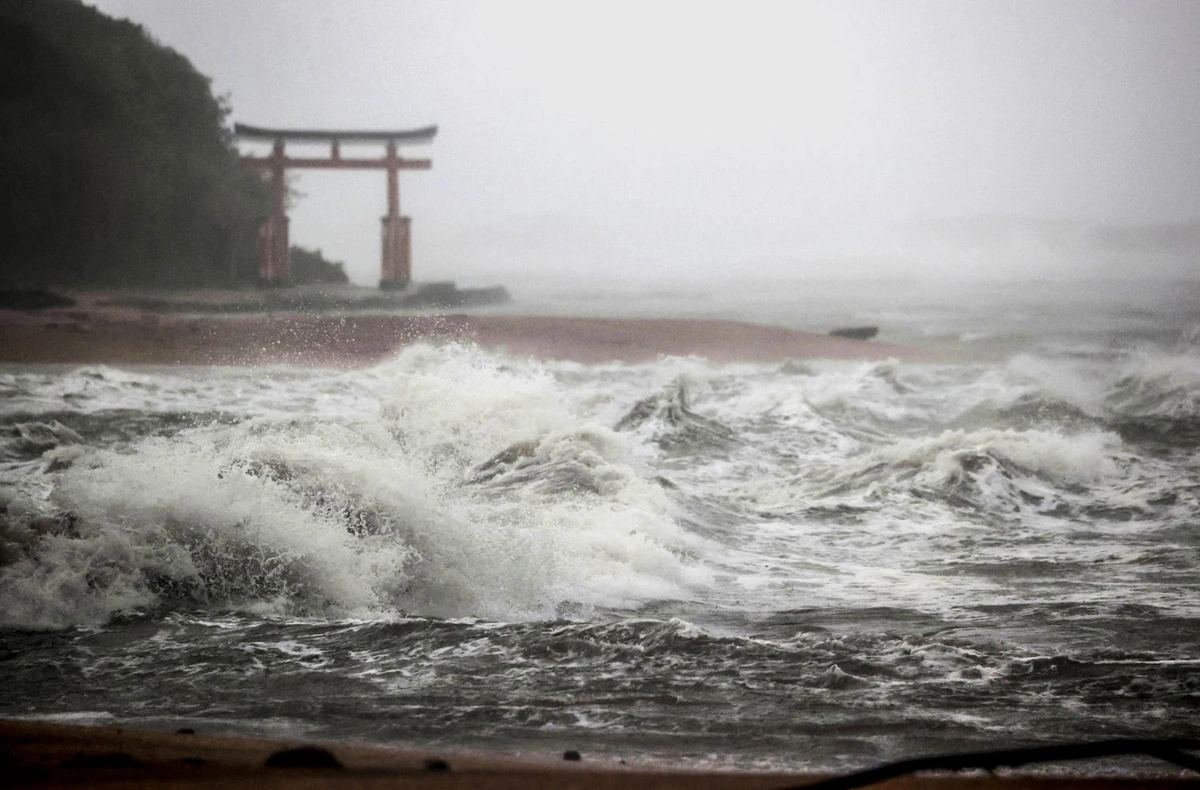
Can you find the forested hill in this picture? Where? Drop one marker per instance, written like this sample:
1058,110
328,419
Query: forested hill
115,164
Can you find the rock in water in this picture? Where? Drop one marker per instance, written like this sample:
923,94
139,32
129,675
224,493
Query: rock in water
856,332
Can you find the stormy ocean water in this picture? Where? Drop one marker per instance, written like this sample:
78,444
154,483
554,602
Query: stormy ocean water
807,564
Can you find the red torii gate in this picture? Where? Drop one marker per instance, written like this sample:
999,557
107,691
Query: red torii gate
396,261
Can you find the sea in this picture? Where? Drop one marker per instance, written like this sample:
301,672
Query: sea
799,565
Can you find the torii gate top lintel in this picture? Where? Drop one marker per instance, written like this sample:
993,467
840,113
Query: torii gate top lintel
409,136
396,265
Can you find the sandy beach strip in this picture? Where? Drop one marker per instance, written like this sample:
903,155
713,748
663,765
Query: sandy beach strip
131,337
34,753
49,754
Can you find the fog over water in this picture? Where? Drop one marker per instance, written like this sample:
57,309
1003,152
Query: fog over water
630,141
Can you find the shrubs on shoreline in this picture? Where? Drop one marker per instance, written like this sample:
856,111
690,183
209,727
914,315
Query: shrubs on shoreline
311,266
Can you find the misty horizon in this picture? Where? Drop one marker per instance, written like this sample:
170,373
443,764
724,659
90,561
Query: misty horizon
682,139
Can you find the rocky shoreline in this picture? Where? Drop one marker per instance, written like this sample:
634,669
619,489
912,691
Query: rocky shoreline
314,299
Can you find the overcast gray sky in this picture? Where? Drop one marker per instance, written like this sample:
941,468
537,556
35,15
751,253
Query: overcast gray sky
630,138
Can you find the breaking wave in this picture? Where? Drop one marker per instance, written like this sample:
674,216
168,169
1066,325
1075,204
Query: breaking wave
368,518
451,482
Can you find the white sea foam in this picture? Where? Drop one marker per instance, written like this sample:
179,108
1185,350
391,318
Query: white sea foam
1141,383
361,493
1157,385
364,517
973,547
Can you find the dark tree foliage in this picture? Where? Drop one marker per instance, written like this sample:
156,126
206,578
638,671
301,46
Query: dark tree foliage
311,266
116,167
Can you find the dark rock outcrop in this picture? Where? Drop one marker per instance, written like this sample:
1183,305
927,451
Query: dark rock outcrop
856,332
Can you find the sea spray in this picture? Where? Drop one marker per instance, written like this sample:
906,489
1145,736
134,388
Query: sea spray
365,518
802,565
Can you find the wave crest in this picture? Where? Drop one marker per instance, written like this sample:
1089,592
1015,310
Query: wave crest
366,518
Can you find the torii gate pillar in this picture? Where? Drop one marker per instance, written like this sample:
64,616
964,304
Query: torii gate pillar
395,269
273,248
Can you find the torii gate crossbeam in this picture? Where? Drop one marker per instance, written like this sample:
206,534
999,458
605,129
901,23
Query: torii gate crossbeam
396,255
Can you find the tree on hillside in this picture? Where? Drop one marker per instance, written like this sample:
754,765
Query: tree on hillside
116,163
